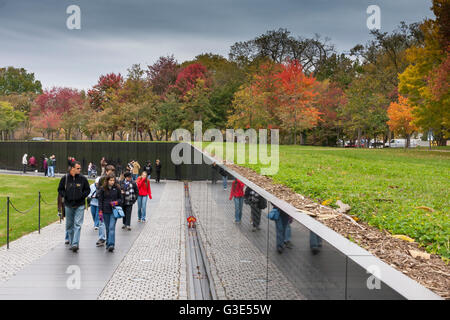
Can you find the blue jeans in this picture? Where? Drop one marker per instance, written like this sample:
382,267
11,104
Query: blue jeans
283,229
314,240
142,207
110,224
51,171
238,203
74,221
225,181
94,212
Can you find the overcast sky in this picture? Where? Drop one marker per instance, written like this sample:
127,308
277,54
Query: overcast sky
115,34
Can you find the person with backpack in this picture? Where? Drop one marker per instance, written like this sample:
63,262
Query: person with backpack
109,198
283,228
158,170
256,203
145,192
148,168
74,188
130,193
237,192
93,203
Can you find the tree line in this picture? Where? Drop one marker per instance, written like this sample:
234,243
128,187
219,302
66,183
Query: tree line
394,85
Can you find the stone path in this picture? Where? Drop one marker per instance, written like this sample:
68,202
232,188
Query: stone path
155,266
41,266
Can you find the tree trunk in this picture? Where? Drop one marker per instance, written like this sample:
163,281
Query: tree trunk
359,137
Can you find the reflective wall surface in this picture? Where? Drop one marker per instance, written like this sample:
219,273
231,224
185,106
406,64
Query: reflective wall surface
248,263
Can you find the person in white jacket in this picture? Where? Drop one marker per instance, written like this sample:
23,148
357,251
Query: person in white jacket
25,162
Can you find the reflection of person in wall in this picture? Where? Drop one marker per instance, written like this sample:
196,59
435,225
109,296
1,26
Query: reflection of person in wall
315,242
283,228
237,192
256,203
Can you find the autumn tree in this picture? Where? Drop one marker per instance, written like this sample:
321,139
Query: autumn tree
419,82
57,108
296,93
401,120
98,95
188,76
162,74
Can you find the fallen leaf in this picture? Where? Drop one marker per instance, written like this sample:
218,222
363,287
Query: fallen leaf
419,254
425,208
403,237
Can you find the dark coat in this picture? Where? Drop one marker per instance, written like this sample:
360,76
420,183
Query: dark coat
106,197
74,191
254,200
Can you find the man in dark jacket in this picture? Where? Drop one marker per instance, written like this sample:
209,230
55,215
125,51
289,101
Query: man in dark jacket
256,203
74,189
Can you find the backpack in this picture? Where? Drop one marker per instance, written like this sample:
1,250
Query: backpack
274,214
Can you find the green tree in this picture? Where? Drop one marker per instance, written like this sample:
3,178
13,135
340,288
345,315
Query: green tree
9,119
18,80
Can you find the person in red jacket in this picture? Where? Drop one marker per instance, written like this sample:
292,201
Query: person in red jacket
143,184
237,192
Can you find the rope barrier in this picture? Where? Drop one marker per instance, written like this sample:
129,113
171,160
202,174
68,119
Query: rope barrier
26,211
45,202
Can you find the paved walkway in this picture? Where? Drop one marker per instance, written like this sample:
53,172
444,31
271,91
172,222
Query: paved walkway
42,267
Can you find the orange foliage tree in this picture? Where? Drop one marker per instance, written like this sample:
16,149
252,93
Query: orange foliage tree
401,119
297,92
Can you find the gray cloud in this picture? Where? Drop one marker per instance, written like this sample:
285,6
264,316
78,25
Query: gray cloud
115,33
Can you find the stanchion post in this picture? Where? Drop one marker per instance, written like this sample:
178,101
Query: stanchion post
7,222
39,214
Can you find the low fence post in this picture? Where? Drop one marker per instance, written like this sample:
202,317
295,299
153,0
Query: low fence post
7,222
39,214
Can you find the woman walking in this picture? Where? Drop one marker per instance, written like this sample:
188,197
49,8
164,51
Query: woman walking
109,197
145,192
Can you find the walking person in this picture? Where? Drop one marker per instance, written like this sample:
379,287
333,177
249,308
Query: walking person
256,203
93,203
136,168
109,170
237,192
145,192
224,175
109,197
148,168
25,162
51,166
45,165
74,188
103,165
283,229
130,193
90,169
158,170
32,163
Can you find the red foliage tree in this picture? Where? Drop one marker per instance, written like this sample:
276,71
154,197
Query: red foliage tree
188,76
163,74
97,95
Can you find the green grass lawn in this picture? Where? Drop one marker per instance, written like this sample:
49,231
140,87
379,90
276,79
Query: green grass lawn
23,192
384,187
